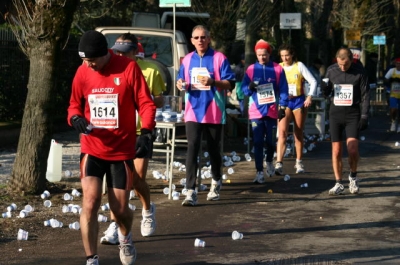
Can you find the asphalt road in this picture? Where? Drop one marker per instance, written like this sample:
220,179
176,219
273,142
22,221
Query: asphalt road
281,222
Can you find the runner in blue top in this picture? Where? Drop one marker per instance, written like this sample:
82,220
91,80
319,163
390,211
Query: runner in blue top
265,84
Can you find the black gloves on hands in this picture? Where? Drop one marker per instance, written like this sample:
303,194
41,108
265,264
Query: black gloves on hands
326,88
80,124
253,86
363,124
143,143
281,113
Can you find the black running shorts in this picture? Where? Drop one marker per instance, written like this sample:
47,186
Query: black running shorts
344,119
119,174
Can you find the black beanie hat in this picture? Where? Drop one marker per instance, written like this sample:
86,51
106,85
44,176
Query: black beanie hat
93,44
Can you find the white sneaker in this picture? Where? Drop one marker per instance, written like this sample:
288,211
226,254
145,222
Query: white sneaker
110,235
393,127
191,198
270,169
148,224
213,195
93,261
337,189
299,167
259,177
279,168
353,185
127,253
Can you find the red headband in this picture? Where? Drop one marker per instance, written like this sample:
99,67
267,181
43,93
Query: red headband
262,44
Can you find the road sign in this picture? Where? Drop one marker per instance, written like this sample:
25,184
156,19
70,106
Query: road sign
380,40
290,21
353,34
178,3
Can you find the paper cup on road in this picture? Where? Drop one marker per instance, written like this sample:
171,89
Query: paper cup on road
23,214
45,194
75,193
22,235
47,203
68,197
102,218
12,207
199,243
29,208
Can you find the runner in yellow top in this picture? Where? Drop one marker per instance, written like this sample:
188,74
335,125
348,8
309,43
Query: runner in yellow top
392,79
127,45
299,100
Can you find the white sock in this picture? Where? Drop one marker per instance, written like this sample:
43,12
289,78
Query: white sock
124,239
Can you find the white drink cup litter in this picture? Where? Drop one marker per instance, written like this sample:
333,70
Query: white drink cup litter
247,157
68,197
304,185
286,178
28,208
75,193
236,235
231,171
6,215
166,190
199,243
132,207
67,173
22,235
45,194
11,207
102,218
47,203
74,226
23,214
105,207
175,195
55,223
66,209
75,209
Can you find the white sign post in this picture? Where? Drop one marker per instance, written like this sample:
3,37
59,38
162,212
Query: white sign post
290,21
174,4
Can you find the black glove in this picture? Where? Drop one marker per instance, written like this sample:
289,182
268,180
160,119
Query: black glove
143,143
326,88
281,113
253,86
80,124
363,124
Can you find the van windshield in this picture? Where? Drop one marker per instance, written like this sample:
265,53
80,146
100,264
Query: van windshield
156,47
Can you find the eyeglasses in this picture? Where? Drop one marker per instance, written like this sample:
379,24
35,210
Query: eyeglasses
201,37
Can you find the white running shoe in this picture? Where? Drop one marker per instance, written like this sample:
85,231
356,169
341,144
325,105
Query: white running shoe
127,253
270,169
148,224
337,189
279,168
299,167
110,235
93,261
191,198
353,185
393,127
259,177
213,195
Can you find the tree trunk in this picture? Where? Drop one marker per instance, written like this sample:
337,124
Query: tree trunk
47,33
